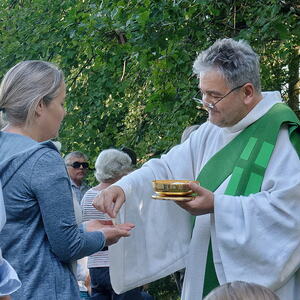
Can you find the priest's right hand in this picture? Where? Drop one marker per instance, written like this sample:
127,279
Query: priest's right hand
110,200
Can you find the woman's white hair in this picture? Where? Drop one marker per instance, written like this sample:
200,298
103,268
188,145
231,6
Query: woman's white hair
112,164
187,132
240,290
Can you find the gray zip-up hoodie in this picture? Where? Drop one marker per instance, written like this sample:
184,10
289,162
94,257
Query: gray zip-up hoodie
41,236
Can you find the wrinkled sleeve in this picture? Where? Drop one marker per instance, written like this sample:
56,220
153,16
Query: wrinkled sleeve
181,162
9,281
159,243
51,186
258,236
2,209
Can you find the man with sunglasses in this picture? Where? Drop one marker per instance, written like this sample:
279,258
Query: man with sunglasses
77,167
247,204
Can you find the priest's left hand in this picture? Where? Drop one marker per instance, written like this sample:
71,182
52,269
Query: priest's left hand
201,204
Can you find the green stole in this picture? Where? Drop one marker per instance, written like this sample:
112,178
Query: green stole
246,157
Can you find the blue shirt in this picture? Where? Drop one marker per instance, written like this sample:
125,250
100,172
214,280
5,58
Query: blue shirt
41,236
79,191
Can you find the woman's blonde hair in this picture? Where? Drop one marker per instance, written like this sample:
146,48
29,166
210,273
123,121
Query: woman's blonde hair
24,85
240,290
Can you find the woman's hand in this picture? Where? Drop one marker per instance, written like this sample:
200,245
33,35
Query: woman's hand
111,232
93,225
115,232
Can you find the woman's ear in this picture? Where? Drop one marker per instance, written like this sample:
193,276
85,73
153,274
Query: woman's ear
39,108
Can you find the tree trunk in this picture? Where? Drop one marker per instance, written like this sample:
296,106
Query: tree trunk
294,83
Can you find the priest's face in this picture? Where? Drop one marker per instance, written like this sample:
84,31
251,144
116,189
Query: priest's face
226,105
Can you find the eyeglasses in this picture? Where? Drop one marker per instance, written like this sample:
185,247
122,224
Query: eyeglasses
77,164
218,99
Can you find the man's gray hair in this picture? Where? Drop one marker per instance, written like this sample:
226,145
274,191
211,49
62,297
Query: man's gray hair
77,154
25,85
235,60
112,164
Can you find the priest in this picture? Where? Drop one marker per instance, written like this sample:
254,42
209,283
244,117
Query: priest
244,223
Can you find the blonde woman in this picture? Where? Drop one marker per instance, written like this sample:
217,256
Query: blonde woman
41,236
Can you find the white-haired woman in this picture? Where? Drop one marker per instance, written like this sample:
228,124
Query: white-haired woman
41,236
110,166
240,290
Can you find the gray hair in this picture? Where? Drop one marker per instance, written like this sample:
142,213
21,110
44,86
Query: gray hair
239,290
77,154
187,132
57,144
112,164
235,60
24,85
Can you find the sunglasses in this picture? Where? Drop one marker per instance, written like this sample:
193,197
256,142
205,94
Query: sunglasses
77,164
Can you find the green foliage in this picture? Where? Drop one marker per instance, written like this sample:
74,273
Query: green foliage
128,64
164,289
